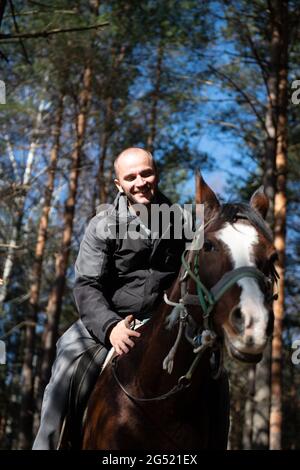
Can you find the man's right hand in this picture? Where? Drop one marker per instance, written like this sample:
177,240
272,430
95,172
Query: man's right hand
120,335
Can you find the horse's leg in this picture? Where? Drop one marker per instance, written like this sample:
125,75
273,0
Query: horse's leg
219,412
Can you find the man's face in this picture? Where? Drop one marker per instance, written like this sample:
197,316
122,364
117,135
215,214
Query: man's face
137,177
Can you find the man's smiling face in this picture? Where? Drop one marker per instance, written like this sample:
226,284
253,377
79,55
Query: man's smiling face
136,176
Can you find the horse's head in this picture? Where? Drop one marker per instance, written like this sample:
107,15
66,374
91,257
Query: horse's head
237,238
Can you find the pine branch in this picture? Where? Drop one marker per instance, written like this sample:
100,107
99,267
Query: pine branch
8,245
39,12
39,4
38,34
12,9
17,327
241,92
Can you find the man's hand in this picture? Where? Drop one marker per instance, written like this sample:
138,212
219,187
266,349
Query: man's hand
120,335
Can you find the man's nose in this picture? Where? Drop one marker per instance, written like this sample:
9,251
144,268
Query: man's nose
140,181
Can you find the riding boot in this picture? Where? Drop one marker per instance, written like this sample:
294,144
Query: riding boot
72,344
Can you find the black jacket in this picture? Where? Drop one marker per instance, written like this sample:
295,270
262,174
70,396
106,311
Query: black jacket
115,277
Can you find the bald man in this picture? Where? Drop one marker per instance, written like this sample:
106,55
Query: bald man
117,279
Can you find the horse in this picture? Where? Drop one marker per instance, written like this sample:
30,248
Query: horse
170,392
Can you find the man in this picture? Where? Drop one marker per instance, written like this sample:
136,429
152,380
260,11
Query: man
118,277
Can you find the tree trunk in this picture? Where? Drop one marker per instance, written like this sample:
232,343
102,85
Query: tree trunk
249,411
280,230
20,201
100,193
27,405
198,198
263,370
56,295
101,190
155,97
272,114
2,9
236,425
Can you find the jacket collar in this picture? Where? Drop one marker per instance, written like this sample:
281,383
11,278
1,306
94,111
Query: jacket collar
121,210
119,214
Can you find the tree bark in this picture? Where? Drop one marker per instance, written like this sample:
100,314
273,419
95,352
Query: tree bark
236,425
249,411
2,9
261,418
280,210
272,113
27,375
101,190
56,295
155,97
20,201
100,193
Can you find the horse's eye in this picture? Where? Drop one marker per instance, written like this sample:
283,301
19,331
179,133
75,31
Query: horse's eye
208,246
273,258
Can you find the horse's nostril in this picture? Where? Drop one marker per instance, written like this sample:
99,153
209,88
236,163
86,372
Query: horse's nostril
249,341
237,320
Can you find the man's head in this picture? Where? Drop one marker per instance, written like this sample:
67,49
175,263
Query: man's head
136,175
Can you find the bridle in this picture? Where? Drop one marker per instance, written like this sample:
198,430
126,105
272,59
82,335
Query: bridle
207,300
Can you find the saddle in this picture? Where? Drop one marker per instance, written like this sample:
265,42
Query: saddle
85,375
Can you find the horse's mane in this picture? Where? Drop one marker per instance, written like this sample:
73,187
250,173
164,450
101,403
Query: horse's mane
231,212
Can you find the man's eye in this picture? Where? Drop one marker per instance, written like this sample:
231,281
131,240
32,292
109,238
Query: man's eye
208,246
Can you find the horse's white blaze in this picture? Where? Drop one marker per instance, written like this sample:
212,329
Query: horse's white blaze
240,240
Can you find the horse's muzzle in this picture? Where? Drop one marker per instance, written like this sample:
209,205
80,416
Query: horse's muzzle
243,356
246,335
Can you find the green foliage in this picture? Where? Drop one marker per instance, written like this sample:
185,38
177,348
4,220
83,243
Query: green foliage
171,71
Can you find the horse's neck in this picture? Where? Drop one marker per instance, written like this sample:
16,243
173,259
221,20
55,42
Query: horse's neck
145,364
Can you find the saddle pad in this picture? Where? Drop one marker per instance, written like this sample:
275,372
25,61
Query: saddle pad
88,368
83,380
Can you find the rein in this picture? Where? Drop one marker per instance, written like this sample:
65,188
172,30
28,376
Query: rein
182,383
207,300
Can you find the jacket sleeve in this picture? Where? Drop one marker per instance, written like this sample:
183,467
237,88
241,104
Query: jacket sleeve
93,272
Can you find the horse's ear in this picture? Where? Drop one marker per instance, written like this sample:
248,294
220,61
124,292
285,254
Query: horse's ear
206,196
260,202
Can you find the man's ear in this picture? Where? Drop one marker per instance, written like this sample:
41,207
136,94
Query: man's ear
117,183
206,196
260,202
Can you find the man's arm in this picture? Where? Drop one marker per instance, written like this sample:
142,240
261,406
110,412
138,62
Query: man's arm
92,273
93,270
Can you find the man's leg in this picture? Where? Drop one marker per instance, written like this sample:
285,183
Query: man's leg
70,346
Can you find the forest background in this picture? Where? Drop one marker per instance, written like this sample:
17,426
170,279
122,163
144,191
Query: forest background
208,85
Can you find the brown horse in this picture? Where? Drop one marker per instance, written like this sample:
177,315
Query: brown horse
170,392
